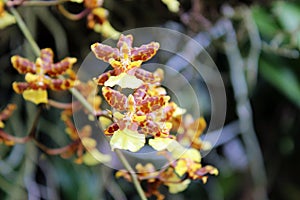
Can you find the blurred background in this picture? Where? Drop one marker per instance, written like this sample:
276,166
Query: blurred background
255,45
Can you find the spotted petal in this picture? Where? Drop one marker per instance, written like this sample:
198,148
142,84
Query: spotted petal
114,98
105,52
23,65
144,52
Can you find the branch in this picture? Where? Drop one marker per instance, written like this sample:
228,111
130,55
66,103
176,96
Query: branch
244,112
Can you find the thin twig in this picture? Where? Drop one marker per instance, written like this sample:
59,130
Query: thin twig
72,16
255,47
21,140
28,137
59,105
244,112
56,151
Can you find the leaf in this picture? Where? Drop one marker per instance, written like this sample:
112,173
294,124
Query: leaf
288,15
283,79
266,24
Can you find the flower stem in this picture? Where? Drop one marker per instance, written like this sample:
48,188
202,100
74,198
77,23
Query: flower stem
35,3
132,173
72,16
80,98
25,31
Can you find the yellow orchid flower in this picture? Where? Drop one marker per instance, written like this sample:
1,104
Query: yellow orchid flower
128,140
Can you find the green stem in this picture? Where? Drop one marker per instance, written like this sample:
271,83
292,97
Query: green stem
80,98
34,3
132,173
25,31
43,3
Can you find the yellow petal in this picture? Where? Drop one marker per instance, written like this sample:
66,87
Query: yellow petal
6,19
160,144
181,167
178,111
206,146
192,154
94,157
106,30
178,187
118,115
104,122
36,96
128,140
29,77
138,118
211,170
173,5
77,1
124,81
88,142
100,12
176,149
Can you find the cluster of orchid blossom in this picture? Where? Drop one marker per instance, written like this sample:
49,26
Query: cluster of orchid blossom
41,76
146,116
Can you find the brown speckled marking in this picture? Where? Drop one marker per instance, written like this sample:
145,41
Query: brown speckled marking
47,55
114,98
111,129
149,127
144,52
146,76
140,93
105,52
23,65
60,67
46,71
127,40
124,57
105,76
150,104
20,87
